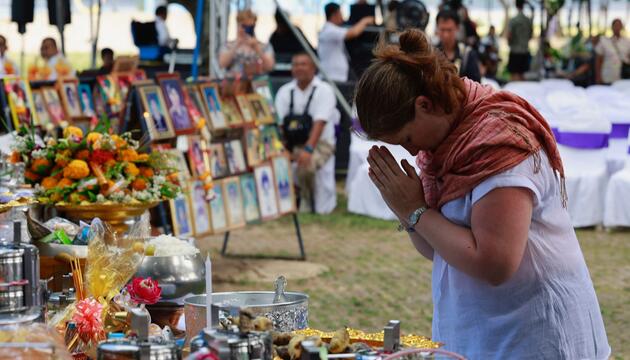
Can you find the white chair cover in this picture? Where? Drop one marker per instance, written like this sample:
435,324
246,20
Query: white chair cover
363,196
622,85
582,136
617,210
615,107
557,84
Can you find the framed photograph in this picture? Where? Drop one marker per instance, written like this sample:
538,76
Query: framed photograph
198,155
86,100
250,199
233,202
230,111
200,210
267,197
284,184
270,144
110,92
218,207
156,118
40,108
235,157
124,64
124,82
260,108
210,93
263,88
180,216
53,105
20,101
197,101
218,162
69,90
176,103
252,146
245,108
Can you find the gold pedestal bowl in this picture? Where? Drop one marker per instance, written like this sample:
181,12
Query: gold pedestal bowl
119,216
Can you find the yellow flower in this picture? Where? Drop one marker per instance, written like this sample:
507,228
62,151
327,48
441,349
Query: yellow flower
73,131
120,142
132,170
128,155
93,137
77,169
142,157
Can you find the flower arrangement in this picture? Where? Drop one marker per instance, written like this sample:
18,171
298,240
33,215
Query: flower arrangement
144,291
97,168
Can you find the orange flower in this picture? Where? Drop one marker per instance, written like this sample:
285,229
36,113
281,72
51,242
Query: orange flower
146,171
174,177
63,157
83,154
31,176
143,157
128,155
93,137
64,183
139,184
49,183
8,68
40,166
110,163
15,157
77,169
120,142
132,170
106,187
73,131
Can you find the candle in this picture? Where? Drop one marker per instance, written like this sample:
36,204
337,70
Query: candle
208,292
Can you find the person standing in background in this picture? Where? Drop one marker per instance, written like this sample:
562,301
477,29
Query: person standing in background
519,33
56,65
332,37
164,37
107,59
246,56
611,53
463,56
7,66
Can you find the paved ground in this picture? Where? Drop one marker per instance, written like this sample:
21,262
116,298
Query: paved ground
375,275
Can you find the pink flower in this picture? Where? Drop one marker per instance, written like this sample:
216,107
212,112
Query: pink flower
88,316
144,291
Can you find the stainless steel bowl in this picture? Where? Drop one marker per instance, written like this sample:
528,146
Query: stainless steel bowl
178,276
289,315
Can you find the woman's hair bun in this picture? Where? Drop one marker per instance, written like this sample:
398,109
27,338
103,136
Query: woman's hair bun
413,41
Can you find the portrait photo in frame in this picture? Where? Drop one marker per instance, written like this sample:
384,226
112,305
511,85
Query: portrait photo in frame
230,111
252,146
284,184
245,108
210,93
233,198
69,90
260,109
235,156
39,104
197,102
266,189
20,99
198,156
110,93
175,96
218,211
250,199
180,215
53,104
200,210
218,162
263,87
155,116
181,165
86,100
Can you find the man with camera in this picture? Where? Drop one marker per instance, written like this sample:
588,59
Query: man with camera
307,107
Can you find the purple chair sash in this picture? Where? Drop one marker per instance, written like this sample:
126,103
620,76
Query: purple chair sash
581,140
620,131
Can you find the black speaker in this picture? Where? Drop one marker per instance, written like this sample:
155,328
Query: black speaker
22,13
52,11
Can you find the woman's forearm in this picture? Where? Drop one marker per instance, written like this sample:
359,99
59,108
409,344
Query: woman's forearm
421,245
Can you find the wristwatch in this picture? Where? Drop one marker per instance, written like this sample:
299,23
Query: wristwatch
413,220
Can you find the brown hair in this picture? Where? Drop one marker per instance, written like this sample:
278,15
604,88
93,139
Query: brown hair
386,93
246,14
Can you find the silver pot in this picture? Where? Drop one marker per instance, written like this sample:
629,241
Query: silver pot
129,349
11,299
178,276
289,315
11,264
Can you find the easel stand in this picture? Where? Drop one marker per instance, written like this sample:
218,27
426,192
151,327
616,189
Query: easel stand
298,234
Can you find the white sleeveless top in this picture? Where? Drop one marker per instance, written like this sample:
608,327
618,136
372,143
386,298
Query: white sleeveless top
547,310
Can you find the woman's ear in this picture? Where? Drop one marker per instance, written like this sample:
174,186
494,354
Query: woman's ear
423,104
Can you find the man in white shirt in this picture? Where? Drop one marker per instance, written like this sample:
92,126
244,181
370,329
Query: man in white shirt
164,38
611,54
315,160
7,66
332,47
56,66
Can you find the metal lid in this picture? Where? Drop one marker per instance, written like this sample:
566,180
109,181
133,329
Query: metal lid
118,346
19,318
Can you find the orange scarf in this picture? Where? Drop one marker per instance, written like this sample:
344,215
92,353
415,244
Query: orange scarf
495,131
